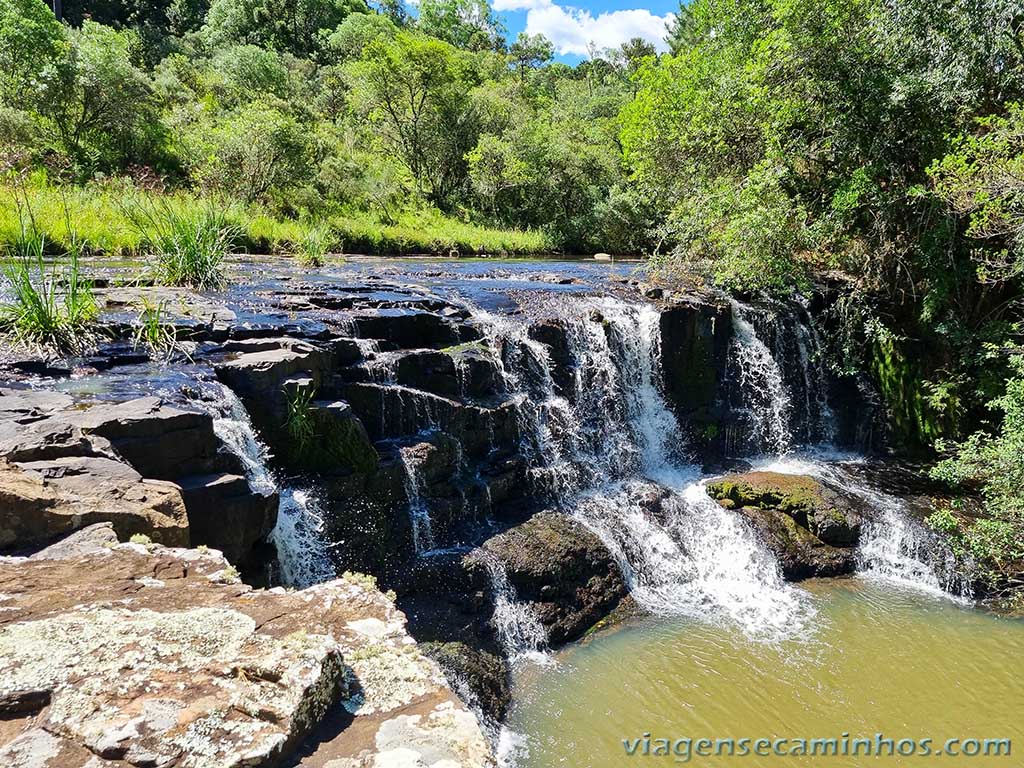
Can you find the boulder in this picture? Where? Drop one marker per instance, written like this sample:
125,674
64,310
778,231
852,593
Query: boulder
477,372
143,656
226,514
40,500
810,527
800,554
561,567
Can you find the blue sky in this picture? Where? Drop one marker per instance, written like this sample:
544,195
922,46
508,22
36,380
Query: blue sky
607,23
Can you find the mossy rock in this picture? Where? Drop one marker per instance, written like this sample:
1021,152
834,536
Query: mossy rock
824,512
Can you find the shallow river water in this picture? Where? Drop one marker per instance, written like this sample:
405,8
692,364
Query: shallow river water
877,658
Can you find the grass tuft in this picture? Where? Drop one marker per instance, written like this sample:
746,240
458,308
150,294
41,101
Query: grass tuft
49,308
314,245
190,245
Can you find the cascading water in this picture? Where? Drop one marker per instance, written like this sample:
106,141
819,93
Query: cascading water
301,548
419,512
767,404
611,452
518,629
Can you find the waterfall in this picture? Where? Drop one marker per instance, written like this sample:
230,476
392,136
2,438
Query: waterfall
767,404
298,536
301,548
519,631
419,513
611,454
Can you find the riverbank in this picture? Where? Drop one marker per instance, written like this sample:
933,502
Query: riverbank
115,219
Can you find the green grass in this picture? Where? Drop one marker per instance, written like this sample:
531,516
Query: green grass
49,307
104,217
190,246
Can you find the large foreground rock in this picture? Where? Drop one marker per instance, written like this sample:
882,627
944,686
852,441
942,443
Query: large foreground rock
124,655
811,528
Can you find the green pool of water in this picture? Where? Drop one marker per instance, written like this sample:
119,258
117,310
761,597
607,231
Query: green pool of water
877,659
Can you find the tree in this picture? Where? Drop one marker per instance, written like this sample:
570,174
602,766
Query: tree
100,103
358,31
252,154
467,24
416,91
530,51
31,39
294,26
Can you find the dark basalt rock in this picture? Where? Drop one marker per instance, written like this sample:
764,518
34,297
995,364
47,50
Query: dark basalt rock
158,440
695,338
478,676
225,514
559,566
810,527
410,329
552,334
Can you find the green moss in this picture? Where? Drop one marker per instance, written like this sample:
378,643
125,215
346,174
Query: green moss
916,422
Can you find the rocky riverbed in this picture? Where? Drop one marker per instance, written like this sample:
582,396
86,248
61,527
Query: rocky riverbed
490,443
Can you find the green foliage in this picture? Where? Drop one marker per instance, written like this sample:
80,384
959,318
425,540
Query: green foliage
99,104
153,333
315,244
31,40
982,180
467,24
415,91
992,461
300,424
251,155
299,27
190,246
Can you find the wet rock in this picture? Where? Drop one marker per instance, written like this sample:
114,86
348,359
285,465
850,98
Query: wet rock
152,656
224,513
259,373
826,513
428,370
695,338
552,334
41,500
801,554
477,372
810,527
478,676
562,568
158,440
409,329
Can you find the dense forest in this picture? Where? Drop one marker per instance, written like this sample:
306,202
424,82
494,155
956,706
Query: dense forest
871,147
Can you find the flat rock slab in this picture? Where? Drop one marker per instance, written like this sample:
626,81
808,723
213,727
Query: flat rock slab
128,655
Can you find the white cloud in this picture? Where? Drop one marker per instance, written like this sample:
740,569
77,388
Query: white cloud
572,29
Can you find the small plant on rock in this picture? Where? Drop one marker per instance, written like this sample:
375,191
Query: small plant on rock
154,333
300,424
